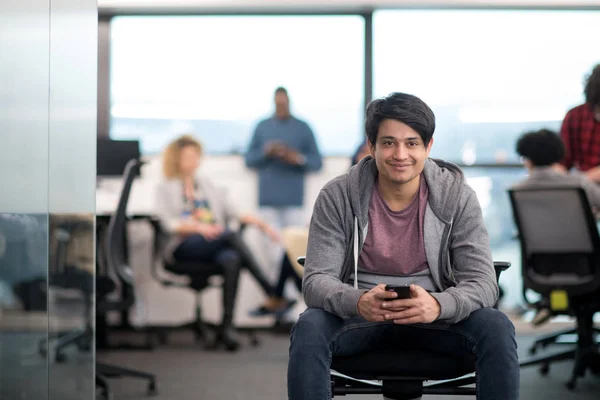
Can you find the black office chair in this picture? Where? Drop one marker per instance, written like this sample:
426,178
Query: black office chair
117,263
402,375
560,255
200,277
70,277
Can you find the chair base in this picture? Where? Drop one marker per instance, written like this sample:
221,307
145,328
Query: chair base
585,353
398,388
82,338
557,338
105,371
204,332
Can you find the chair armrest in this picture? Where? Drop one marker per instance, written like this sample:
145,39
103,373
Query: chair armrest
500,266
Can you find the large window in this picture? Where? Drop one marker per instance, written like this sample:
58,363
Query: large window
215,76
488,75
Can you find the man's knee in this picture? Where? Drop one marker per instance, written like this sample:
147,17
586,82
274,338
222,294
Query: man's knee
315,326
494,324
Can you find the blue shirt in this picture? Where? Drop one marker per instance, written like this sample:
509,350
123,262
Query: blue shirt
281,184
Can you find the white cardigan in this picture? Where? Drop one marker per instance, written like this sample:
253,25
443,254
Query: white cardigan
170,206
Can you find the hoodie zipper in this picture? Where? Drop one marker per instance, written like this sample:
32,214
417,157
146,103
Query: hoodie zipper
444,261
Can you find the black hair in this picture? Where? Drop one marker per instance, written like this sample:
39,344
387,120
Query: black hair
402,107
543,148
592,87
281,89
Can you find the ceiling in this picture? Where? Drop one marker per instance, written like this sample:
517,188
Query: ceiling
325,5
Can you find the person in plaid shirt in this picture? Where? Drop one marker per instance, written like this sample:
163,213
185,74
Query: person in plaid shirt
580,131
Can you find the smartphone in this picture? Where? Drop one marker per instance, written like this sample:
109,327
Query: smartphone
403,291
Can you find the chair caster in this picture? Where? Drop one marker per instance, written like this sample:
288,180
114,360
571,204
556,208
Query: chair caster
60,358
163,338
544,369
152,391
570,385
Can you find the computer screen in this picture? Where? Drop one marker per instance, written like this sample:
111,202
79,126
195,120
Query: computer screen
113,155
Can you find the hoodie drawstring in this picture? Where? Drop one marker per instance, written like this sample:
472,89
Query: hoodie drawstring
355,252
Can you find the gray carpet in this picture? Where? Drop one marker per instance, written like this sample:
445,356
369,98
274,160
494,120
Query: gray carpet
185,371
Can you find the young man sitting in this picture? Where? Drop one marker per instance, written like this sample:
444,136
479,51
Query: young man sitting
399,217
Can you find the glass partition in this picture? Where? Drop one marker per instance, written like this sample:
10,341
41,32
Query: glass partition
24,38
71,199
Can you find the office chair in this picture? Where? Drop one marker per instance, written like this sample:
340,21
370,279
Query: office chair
200,278
402,375
117,263
70,277
560,255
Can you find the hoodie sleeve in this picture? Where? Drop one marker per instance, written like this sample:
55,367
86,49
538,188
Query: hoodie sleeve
325,258
471,264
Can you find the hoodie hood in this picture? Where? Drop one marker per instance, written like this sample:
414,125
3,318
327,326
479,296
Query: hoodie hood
445,182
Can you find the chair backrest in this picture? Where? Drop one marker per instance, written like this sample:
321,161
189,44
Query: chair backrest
560,245
115,241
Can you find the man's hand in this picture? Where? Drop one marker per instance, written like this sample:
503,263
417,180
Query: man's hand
210,231
282,152
291,156
421,308
273,148
370,303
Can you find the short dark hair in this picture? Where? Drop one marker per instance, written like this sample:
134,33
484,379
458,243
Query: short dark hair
281,89
592,87
402,107
542,148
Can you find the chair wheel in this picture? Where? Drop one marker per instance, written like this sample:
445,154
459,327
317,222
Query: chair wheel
570,385
106,394
60,358
152,391
544,369
532,350
163,338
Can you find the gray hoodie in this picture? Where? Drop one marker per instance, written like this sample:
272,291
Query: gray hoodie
456,242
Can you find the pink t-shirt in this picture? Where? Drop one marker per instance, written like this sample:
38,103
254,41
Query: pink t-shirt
394,244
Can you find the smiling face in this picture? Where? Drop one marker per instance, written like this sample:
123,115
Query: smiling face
399,153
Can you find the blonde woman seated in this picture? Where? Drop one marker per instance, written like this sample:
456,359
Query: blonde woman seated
197,214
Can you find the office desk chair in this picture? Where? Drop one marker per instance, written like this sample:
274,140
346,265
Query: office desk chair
200,277
560,255
402,375
117,263
63,276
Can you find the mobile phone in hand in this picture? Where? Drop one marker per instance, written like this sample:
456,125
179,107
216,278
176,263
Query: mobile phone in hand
402,291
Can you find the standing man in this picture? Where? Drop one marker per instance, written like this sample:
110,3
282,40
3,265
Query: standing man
283,149
400,218
580,131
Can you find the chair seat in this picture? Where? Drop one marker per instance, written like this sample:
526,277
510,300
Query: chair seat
403,363
193,268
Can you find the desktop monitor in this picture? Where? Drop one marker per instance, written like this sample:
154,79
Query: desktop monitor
113,155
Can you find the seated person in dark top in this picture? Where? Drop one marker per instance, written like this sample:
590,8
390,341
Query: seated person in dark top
542,152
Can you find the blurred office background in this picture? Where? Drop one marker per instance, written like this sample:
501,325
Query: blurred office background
123,78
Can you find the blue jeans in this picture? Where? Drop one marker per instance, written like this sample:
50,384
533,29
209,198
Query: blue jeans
487,333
